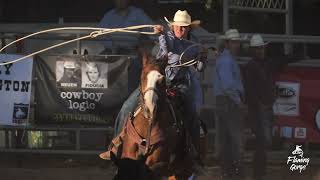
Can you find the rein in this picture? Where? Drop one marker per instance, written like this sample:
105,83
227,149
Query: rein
150,120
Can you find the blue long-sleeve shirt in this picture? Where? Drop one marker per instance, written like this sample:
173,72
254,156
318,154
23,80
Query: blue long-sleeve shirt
135,16
227,77
172,47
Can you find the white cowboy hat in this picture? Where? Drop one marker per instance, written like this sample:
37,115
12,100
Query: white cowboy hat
257,41
182,18
232,34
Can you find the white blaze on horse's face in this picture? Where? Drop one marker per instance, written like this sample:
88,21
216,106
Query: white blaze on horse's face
150,96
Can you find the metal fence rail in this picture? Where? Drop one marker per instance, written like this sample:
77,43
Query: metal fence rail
13,142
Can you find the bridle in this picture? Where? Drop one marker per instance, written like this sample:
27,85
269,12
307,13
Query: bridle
150,119
149,89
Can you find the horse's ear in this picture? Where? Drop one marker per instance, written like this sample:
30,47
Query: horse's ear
113,158
145,58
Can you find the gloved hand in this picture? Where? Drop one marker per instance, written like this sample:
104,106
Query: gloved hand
203,54
200,66
202,59
158,29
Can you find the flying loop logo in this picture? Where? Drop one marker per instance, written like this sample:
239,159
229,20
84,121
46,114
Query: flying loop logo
298,162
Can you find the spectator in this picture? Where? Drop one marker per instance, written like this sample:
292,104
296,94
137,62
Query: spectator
260,95
228,90
124,15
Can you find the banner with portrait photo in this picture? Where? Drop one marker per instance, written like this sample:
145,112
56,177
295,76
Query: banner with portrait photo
80,89
15,90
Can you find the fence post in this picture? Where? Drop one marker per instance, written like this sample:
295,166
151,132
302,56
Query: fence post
289,25
77,139
225,16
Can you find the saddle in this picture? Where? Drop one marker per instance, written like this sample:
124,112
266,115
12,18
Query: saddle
156,137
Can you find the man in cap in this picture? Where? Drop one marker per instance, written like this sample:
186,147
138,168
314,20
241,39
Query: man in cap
228,90
69,78
260,96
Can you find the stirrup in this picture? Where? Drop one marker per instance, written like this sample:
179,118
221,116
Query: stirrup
105,155
115,146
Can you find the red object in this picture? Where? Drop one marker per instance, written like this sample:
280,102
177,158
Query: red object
171,92
309,103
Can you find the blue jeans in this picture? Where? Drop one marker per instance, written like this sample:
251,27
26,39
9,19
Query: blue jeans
192,124
128,106
230,131
262,128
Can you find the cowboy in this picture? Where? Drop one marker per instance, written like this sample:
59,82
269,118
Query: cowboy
260,96
69,78
228,90
172,44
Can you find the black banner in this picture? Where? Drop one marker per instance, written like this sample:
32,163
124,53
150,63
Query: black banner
80,89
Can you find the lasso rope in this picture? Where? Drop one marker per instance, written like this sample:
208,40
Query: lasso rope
97,32
190,62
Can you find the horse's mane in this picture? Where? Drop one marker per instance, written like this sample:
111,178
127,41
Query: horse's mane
151,49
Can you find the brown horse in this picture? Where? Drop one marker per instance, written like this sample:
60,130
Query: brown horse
153,134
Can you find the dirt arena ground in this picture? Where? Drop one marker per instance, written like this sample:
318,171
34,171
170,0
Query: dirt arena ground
89,167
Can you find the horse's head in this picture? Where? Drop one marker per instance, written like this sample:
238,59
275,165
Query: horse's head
131,169
151,77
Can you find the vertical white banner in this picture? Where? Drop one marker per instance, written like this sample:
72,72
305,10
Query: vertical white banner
287,102
15,90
